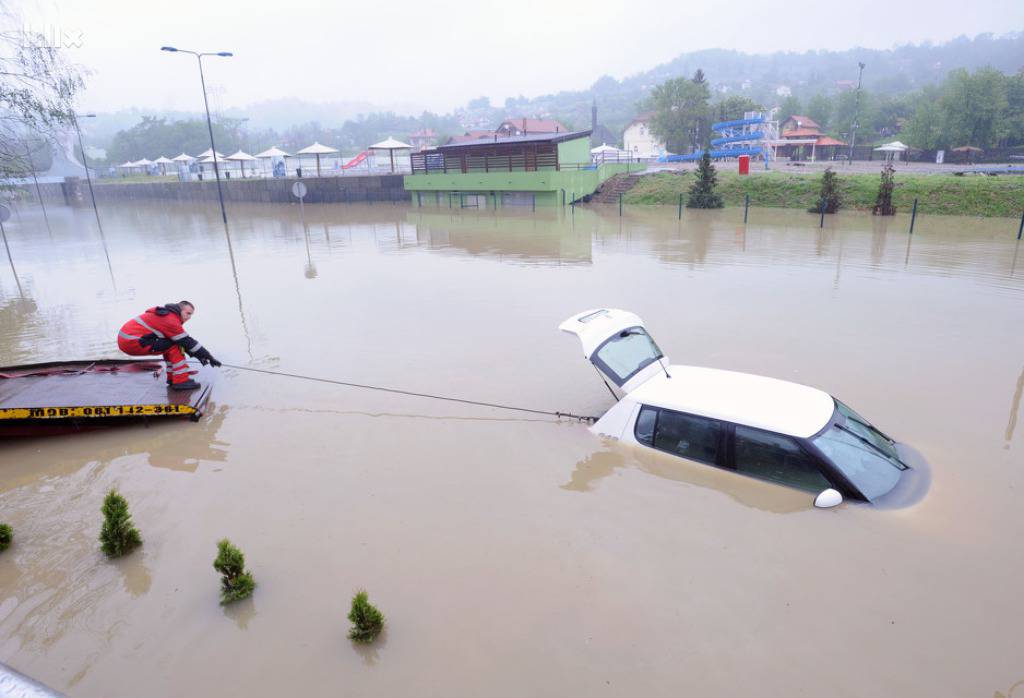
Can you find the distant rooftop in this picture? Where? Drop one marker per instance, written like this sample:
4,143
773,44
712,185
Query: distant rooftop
529,138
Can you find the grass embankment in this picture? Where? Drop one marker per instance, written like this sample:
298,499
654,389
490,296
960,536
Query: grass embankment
1001,196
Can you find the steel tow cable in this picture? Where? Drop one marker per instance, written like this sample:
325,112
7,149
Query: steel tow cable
478,403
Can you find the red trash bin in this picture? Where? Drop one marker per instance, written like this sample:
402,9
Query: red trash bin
744,164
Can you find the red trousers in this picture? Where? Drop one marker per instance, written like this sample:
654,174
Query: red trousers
177,366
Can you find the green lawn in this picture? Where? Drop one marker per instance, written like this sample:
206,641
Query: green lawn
1001,196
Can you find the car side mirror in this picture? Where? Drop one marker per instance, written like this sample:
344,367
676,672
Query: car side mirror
828,498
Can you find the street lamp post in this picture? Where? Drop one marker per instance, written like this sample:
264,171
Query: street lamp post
209,123
856,115
85,161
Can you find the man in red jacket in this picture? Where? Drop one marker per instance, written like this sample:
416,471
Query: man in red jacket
160,330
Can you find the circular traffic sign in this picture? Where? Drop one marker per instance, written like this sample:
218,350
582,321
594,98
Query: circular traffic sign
299,189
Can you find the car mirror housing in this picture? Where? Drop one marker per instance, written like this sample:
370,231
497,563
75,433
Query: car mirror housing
828,498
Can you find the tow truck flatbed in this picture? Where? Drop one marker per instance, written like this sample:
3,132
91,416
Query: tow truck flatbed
67,396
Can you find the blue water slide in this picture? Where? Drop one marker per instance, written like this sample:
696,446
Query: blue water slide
721,125
754,136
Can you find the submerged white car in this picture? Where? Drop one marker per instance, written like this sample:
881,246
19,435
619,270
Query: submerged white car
766,428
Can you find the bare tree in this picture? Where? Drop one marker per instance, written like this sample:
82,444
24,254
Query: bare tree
37,90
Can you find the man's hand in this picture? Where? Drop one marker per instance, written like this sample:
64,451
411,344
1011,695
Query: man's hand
206,358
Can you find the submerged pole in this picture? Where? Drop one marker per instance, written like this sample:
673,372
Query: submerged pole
913,216
620,204
746,207
1020,230
10,259
533,201
822,223
680,213
39,191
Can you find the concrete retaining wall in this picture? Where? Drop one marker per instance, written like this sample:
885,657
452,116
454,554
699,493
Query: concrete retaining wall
319,190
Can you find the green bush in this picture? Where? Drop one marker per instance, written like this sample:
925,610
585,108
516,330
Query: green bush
702,192
829,194
883,202
118,536
236,582
367,621
6,536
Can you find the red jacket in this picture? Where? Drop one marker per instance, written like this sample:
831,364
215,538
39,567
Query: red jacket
158,329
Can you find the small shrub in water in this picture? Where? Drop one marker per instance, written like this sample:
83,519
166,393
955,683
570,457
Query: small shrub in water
829,193
702,191
6,536
883,204
367,621
236,582
118,536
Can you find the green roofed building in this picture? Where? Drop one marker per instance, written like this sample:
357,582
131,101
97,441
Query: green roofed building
543,169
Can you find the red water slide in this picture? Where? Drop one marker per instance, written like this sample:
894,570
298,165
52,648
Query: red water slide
358,159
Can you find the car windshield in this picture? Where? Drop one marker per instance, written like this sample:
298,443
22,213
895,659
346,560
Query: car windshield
855,456
863,428
626,353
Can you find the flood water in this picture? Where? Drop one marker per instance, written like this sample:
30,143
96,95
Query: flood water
513,554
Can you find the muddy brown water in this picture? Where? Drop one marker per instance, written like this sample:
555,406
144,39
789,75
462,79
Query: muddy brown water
513,554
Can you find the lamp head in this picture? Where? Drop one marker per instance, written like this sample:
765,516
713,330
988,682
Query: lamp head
168,48
225,54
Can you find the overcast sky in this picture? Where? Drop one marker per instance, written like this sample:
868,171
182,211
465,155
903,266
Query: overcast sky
438,54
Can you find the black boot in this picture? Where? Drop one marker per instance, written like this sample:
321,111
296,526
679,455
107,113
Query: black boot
187,385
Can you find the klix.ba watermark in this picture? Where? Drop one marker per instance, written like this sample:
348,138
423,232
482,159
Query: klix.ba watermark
50,36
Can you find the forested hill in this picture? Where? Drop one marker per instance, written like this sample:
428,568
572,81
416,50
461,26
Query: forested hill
758,76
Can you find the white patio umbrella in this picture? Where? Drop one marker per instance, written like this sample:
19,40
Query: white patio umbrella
391,145
144,164
208,153
891,149
241,158
604,152
272,152
318,150
163,162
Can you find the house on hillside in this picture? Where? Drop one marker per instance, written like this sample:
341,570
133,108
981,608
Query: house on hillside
529,170
424,138
525,127
472,135
805,140
638,141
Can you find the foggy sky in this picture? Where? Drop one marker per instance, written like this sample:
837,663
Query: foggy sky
437,54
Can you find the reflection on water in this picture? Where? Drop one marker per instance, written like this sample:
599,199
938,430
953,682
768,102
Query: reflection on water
242,612
1015,408
470,523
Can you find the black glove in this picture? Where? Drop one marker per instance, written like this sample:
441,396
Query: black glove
157,345
206,358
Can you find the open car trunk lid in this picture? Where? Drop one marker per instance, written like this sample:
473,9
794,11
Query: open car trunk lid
618,345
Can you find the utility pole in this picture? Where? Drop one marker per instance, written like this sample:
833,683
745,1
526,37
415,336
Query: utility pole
856,115
209,123
85,161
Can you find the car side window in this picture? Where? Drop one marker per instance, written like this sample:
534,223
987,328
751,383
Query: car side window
645,421
777,458
696,438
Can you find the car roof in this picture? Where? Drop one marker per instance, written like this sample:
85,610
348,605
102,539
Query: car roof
742,398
